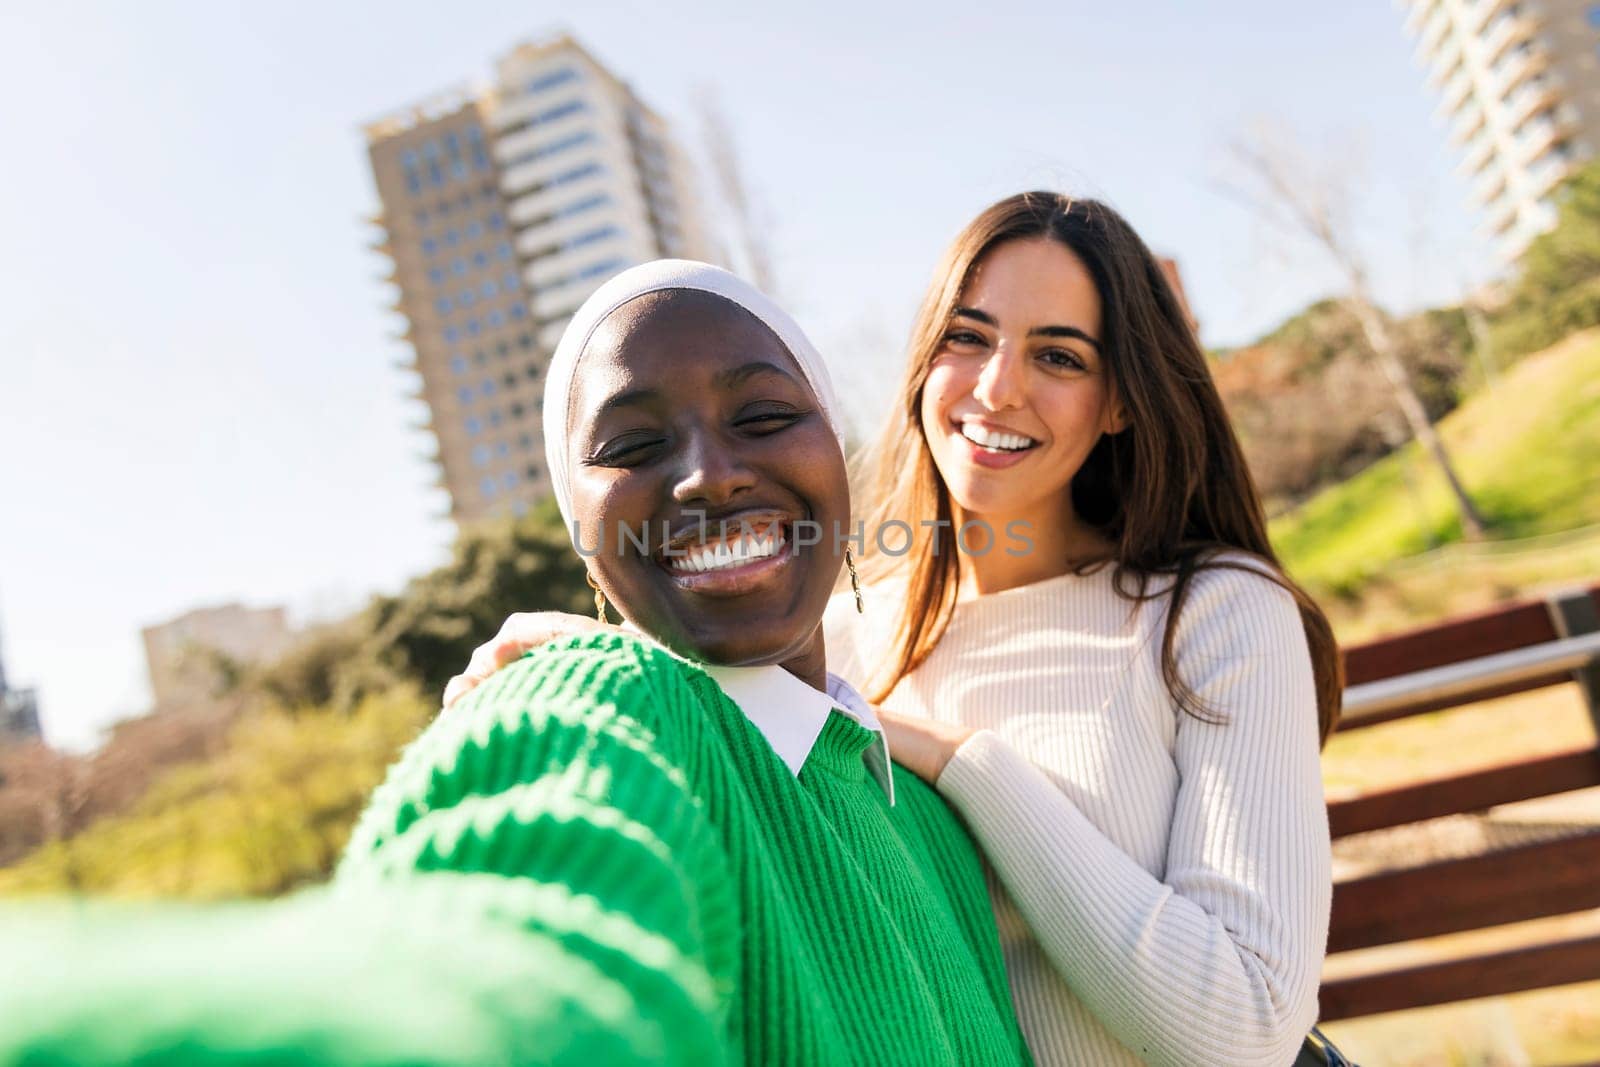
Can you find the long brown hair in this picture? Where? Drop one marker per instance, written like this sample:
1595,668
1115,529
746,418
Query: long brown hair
1169,492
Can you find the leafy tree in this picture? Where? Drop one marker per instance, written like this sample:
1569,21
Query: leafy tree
1558,288
425,634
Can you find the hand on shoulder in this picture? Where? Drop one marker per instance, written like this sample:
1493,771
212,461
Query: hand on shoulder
519,633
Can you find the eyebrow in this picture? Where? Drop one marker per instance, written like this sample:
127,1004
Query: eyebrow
727,379
735,376
1038,331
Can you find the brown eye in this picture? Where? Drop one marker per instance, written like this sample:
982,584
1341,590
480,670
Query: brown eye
1063,358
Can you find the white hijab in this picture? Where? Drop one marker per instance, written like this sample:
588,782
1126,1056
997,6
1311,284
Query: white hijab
630,285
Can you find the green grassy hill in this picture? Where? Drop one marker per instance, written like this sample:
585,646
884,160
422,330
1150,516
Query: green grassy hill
1528,448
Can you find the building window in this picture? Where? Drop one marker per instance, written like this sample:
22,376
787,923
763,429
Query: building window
494,319
510,381
466,298
591,237
474,426
503,250
458,365
517,410
551,80
495,221
586,204
487,388
464,394
481,456
502,349
576,174
526,441
487,485
517,311
509,479
458,266
452,334
509,280
442,305
480,259
436,275
474,328
474,230
494,417
489,289
525,341
429,246
1594,16
532,472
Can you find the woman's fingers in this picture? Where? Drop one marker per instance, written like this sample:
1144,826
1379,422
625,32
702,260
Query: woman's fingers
458,687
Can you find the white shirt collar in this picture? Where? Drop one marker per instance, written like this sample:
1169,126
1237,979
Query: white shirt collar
790,714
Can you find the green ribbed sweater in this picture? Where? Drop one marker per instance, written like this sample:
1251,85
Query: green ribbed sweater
594,858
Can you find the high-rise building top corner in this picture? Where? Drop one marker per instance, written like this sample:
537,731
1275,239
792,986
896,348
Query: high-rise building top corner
501,211
429,109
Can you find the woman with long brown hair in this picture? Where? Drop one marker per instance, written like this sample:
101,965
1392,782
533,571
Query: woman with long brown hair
1091,650
1085,642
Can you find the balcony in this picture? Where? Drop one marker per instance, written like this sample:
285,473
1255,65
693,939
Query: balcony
1550,172
1433,32
1535,137
1457,90
1501,216
1416,12
1488,187
1536,94
1441,65
1479,152
1479,13
1467,124
1511,27
1521,63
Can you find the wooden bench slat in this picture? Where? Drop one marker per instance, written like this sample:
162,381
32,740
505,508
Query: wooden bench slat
1488,975
1469,680
1476,791
1360,719
1527,882
1484,634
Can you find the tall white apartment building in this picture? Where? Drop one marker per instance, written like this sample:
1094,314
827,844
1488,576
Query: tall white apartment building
1519,85
503,209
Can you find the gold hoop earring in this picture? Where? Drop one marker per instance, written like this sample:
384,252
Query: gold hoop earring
855,579
599,598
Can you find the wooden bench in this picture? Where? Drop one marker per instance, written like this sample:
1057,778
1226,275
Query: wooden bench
1511,650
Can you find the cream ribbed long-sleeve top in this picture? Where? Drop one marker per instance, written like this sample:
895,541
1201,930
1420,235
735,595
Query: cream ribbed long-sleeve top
1162,884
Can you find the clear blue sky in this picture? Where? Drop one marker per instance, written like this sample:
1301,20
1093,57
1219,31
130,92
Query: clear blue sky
197,396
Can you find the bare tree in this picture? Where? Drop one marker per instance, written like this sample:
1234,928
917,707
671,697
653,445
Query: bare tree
749,231
1283,191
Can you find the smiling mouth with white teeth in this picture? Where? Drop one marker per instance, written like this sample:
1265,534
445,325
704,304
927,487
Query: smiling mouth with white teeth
729,556
996,440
